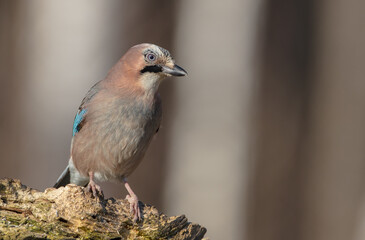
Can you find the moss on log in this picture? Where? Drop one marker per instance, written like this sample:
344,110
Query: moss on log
71,213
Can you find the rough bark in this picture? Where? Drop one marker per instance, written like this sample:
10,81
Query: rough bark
71,213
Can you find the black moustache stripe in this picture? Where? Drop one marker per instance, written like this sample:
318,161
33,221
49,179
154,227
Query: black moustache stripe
153,68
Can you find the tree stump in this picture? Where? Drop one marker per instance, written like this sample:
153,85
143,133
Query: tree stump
72,213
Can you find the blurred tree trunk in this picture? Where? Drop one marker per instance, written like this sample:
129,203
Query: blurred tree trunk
208,155
309,168
281,122
336,155
11,82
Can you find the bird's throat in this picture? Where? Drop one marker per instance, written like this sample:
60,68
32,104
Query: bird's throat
150,83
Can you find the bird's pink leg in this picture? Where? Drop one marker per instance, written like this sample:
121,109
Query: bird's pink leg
133,201
93,187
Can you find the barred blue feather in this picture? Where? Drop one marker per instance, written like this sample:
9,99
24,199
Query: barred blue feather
78,119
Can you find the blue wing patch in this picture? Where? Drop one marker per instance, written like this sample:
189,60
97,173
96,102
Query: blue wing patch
78,119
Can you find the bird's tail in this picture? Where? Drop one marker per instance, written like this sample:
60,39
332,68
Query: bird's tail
64,179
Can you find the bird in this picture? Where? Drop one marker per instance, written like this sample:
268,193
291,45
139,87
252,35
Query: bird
117,120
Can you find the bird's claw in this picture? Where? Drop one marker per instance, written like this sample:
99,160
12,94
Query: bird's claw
134,207
95,189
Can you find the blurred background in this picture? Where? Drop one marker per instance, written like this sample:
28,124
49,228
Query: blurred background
263,140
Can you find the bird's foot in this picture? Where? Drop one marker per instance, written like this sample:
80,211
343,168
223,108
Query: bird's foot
134,207
95,189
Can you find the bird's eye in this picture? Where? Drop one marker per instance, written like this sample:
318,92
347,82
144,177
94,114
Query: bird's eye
151,57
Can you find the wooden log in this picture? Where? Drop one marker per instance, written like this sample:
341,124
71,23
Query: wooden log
72,213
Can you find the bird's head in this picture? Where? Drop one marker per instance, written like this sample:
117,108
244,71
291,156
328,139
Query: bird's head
146,65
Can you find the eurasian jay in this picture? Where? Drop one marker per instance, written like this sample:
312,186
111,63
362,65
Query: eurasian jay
117,119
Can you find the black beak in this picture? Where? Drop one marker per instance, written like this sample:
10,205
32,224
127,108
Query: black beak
175,71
